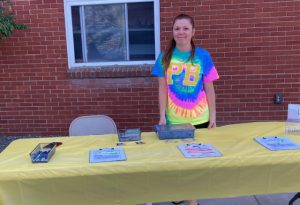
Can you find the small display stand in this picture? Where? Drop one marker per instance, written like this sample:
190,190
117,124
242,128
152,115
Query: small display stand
292,125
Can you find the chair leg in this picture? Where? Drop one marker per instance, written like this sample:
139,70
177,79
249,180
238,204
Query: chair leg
297,196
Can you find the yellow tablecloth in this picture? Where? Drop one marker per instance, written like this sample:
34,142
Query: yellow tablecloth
154,171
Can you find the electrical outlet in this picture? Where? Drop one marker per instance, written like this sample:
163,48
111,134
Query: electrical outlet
278,98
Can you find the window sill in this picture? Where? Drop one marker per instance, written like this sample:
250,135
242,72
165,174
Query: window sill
110,72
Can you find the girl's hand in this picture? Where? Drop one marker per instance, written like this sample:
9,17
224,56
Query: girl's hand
212,124
212,121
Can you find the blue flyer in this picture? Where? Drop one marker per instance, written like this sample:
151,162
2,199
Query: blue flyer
276,143
107,155
198,150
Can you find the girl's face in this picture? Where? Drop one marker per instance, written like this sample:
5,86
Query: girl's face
183,32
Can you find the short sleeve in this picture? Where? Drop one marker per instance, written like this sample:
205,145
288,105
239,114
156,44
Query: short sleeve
210,72
158,69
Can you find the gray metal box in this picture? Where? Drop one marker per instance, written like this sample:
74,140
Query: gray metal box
129,135
177,131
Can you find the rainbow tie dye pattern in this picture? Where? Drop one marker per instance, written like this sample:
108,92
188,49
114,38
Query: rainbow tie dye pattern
186,97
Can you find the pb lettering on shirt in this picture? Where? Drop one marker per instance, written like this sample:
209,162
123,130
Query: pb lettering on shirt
185,78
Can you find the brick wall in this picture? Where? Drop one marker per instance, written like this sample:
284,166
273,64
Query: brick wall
255,45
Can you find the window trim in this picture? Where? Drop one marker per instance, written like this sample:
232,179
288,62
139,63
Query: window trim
69,32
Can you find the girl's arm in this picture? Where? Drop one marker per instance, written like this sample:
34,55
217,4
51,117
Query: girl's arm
162,98
211,100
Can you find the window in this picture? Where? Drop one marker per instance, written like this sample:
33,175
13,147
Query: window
112,32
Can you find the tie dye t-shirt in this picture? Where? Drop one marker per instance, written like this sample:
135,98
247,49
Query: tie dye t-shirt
186,96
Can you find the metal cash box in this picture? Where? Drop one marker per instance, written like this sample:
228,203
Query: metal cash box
176,131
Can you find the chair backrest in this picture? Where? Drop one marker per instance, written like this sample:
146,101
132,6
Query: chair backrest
92,125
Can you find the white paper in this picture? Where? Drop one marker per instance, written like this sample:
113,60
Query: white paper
293,112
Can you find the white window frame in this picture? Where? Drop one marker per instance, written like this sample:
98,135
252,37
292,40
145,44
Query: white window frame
69,32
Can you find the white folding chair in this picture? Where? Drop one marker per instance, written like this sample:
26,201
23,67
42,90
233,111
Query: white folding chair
92,125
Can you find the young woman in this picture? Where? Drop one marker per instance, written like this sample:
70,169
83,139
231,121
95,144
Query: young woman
185,75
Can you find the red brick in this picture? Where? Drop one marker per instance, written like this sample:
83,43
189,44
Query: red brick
255,46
